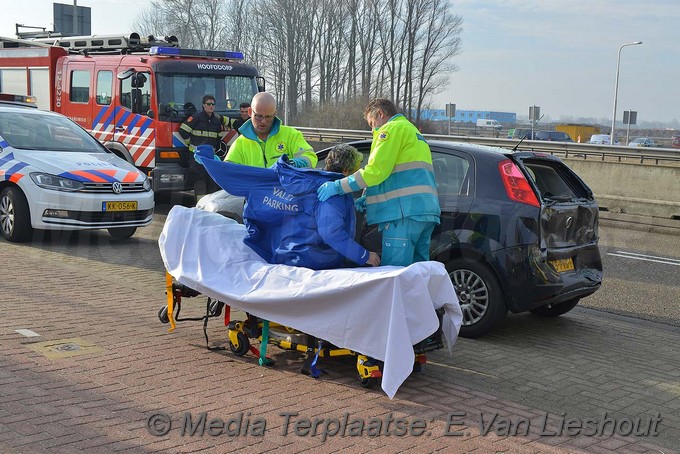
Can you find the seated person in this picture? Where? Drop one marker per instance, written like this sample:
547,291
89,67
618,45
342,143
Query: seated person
285,221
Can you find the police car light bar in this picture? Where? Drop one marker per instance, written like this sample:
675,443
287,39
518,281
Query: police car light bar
177,52
24,100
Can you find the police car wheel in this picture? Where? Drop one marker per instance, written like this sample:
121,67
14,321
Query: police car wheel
15,216
122,233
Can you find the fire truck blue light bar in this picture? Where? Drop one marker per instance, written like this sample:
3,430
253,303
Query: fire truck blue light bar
177,52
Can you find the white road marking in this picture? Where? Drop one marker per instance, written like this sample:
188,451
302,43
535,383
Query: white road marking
27,332
648,258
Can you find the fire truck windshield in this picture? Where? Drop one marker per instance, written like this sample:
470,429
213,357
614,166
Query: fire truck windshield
180,95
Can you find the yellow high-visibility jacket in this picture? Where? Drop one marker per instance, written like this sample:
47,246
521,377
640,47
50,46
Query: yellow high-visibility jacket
249,150
399,178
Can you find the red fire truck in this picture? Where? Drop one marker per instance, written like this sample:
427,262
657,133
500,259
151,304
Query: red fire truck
131,93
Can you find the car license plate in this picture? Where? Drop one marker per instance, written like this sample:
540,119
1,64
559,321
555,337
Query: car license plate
119,206
563,265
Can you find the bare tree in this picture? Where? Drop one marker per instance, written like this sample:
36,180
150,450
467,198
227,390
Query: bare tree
150,22
196,23
325,52
331,50
441,42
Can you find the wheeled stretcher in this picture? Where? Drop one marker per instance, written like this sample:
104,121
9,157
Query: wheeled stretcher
241,332
377,314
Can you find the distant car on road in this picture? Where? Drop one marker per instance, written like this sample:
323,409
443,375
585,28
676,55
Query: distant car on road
488,124
641,142
520,133
553,136
675,141
602,139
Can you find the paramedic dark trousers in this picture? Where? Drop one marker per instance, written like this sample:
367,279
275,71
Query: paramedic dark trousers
200,181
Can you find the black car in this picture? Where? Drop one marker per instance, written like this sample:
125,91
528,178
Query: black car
518,232
554,136
519,133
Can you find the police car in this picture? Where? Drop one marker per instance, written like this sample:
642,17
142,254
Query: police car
56,176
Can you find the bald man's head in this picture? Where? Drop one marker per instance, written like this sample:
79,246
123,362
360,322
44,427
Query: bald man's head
263,100
262,112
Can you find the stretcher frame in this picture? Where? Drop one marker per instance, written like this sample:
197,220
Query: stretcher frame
241,332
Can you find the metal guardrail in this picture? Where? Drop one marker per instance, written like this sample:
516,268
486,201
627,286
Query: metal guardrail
562,149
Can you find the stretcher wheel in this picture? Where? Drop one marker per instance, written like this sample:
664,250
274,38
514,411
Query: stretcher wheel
163,315
243,345
367,382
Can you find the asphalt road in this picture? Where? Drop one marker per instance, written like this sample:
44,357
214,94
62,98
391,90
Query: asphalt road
641,274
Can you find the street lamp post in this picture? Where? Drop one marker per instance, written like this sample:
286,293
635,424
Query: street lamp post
616,90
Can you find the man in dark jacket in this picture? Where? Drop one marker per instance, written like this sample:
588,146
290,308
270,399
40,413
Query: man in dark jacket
286,222
203,128
244,111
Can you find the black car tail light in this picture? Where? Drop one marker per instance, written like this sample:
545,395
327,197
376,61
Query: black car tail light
516,185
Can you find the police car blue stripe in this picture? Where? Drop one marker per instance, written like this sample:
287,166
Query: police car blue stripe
14,169
3,144
73,176
144,126
6,159
108,178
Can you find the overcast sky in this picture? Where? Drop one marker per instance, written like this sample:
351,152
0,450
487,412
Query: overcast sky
560,55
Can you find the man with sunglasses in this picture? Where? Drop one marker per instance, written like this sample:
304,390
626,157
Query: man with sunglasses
203,128
263,138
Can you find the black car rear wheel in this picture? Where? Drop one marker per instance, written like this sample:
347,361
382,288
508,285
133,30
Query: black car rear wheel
479,295
553,310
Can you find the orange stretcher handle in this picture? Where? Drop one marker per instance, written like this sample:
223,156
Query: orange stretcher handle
171,301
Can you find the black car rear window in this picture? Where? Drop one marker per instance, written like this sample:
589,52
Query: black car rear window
555,180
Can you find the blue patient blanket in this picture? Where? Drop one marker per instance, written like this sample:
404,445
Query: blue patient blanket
286,224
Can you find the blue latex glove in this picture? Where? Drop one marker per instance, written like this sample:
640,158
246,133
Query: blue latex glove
299,162
328,190
360,204
205,152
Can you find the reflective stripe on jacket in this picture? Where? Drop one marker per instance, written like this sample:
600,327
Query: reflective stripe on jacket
201,129
249,150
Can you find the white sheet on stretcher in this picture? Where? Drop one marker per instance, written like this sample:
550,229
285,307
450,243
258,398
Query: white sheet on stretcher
380,312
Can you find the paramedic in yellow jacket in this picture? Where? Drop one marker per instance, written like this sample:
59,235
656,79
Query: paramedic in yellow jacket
264,139
400,191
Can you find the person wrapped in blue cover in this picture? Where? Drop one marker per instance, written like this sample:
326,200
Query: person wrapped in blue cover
286,223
